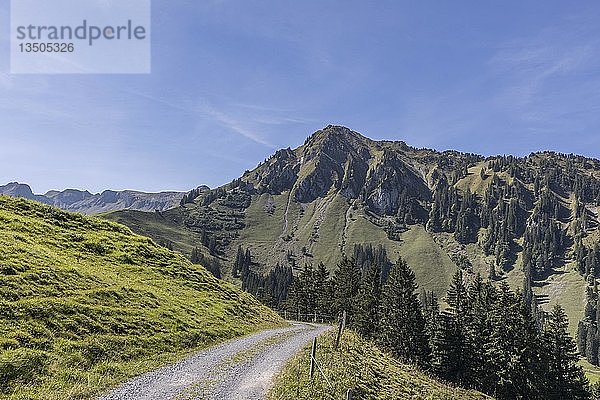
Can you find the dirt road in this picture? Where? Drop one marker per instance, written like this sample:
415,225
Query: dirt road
239,369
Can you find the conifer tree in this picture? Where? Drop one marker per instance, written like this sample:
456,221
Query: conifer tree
346,280
366,307
566,379
324,292
446,347
449,352
403,329
431,310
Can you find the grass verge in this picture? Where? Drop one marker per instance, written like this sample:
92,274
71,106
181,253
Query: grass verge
362,367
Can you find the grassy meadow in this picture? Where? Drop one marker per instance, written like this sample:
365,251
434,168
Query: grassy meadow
86,304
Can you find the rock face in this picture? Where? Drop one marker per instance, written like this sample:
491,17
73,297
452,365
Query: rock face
337,159
87,203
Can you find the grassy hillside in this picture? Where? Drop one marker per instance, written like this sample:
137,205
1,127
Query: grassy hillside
165,226
360,366
323,228
86,304
331,224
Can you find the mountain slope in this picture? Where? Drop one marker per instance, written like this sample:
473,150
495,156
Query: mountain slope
87,203
363,368
530,220
86,304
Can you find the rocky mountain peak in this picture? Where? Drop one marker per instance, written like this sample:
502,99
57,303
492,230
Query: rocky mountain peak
338,159
335,140
19,189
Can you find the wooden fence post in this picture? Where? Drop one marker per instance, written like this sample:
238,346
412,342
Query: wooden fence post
340,330
313,355
349,394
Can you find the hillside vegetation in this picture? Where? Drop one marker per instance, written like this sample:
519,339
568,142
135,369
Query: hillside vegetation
362,367
86,304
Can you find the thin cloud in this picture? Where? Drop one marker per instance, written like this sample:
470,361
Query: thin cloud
237,123
233,124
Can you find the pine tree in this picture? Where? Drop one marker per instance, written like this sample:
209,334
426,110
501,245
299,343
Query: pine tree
431,310
324,292
238,265
459,302
566,379
446,347
477,331
346,280
457,295
196,256
450,352
513,352
403,330
366,307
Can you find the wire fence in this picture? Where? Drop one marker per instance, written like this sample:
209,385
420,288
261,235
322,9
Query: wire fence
313,317
316,369
315,366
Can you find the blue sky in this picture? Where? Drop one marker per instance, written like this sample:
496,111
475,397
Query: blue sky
234,80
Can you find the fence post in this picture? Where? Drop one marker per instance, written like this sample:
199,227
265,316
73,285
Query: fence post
313,355
349,394
340,330
285,314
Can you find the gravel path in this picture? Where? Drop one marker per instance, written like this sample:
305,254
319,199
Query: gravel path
236,370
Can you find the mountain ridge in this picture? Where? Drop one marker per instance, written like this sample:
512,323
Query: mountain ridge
84,202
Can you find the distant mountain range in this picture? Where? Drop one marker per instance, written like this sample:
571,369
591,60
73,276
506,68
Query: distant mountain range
87,203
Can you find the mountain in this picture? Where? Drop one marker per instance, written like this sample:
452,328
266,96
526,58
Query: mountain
86,304
530,221
87,203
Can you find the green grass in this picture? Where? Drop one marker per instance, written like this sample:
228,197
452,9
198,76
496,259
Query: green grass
336,220
264,230
432,266
86,304
159,226
330,217
362,367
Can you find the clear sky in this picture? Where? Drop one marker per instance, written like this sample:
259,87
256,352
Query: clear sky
234,80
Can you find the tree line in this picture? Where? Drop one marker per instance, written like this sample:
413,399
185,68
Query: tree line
487,337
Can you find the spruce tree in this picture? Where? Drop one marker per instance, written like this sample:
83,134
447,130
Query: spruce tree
323,290
446,348
403,330
566,379
366,307
346,280
451,353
